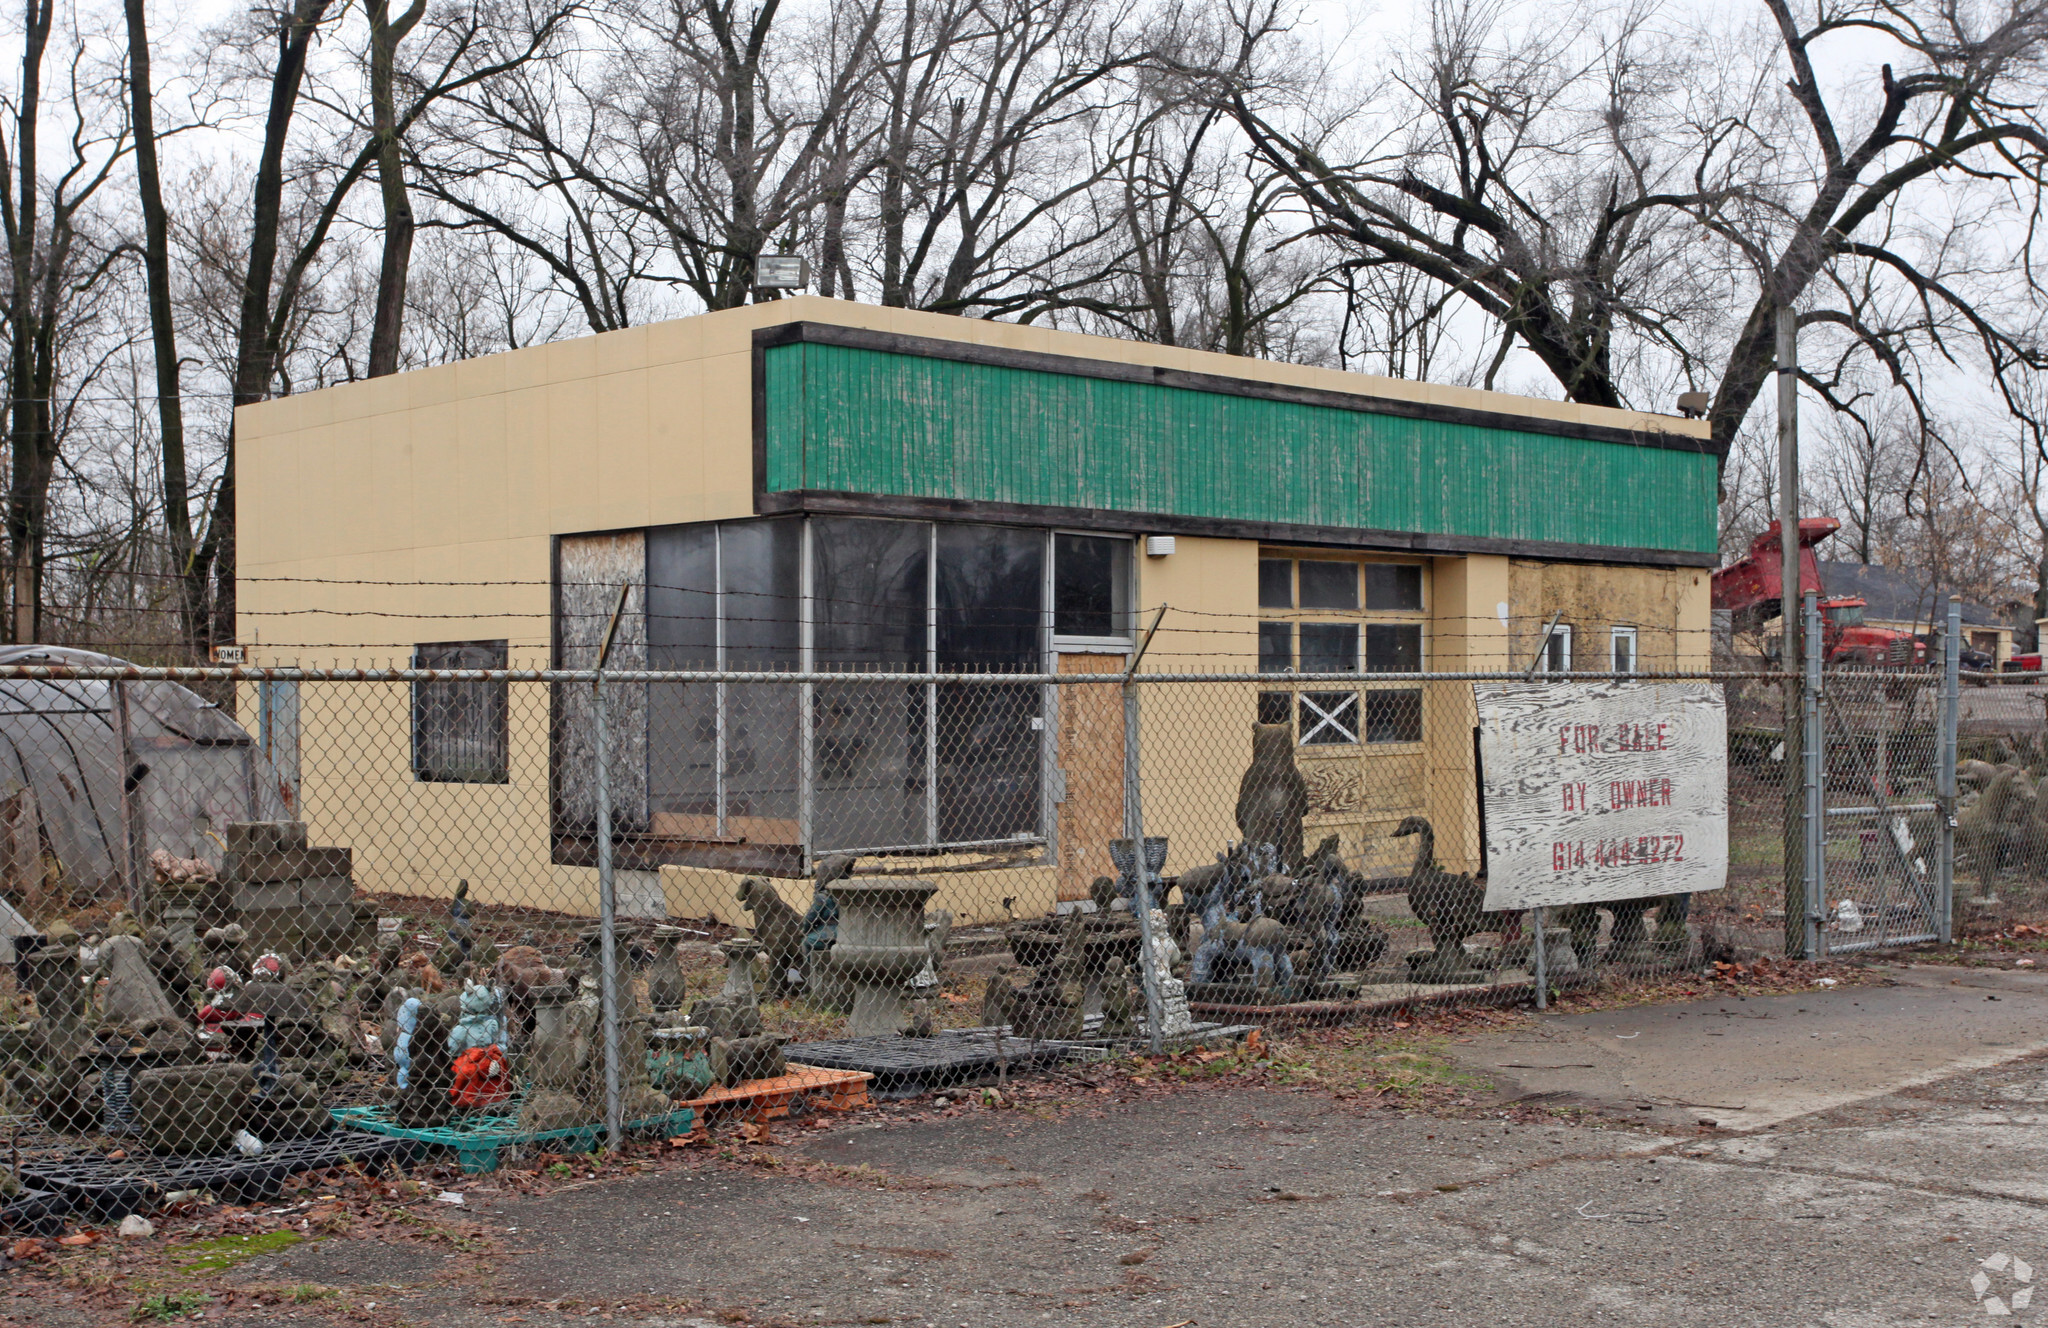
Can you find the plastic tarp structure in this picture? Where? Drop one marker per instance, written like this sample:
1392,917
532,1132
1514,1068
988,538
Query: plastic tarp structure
82,801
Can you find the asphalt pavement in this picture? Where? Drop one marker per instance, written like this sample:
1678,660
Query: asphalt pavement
1880,1157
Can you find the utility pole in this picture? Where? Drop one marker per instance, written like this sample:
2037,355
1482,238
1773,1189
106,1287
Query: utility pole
1790,653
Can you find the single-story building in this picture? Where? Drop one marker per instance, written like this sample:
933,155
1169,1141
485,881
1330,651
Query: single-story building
817,484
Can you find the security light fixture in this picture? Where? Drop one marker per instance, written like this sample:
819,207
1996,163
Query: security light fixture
782,272
1693,405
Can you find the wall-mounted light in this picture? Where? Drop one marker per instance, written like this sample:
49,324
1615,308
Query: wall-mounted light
1693,405
1158,546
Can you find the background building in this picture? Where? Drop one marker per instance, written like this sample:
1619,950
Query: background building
1904,603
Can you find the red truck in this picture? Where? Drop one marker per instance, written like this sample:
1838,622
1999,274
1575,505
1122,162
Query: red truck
1751,587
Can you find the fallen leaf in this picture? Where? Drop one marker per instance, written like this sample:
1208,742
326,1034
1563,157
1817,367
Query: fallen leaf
82,1238
756,1132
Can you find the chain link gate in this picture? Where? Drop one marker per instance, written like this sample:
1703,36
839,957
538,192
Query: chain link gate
1882,847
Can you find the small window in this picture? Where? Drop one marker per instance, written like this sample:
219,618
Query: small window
1276,647
1393,586
1624,650
1274,707
1276,583
1091,586
1329,647
1393,648
1557,652
1329,585
1394,715
459,729
1328,717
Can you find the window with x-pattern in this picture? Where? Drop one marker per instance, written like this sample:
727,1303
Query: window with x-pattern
1331,615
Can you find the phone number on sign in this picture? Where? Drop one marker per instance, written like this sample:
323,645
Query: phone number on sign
1641,851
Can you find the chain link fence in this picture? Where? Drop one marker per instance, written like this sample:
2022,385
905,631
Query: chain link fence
2001,831
262,914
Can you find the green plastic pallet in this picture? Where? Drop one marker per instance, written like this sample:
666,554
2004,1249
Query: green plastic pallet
477,1140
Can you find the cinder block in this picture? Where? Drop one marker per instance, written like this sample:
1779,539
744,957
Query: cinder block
293,864
191,1108
280,896
322,890
265,836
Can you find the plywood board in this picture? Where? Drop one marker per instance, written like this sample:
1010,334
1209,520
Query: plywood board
592,568
1092,764
1603,790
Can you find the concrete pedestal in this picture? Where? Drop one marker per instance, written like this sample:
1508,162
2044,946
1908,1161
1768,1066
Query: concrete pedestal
881,947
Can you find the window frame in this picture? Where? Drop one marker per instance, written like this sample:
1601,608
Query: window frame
1559,635
498,716
1615,636
1079,644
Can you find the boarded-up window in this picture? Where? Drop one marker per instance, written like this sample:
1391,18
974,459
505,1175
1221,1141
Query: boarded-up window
459,729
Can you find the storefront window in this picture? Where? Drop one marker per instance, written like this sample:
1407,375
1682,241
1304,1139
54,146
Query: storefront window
923,764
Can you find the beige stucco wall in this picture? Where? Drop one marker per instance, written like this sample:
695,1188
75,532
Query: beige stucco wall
358,501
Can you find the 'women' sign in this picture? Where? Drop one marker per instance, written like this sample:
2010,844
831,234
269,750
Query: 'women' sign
1602,790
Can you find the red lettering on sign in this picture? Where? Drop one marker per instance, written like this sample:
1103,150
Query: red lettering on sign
1639,851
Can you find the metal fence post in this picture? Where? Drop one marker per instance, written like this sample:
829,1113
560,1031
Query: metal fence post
1945,772
607,914
1542,974
1791,572
1134,831
1812,752
614,1125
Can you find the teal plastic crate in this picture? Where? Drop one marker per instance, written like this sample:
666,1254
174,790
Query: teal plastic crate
477,1140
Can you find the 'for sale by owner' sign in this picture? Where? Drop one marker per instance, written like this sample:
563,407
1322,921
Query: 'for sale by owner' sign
1602,790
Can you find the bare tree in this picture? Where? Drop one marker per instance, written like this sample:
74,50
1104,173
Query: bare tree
724,147
53,266
995,111
173,468
1861,474
385,35
1626,205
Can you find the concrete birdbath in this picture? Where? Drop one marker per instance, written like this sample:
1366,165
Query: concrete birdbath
740,953
881,947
